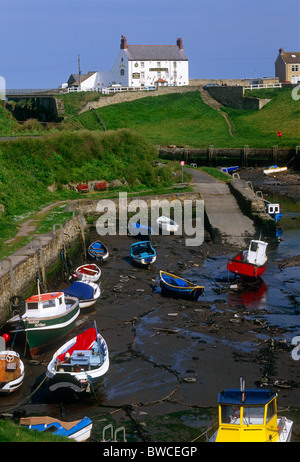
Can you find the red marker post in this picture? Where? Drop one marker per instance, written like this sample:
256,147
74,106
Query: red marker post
182,162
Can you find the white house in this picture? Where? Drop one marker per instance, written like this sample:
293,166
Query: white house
142,66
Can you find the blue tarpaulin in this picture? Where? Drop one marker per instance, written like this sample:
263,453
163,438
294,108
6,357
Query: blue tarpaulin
80,290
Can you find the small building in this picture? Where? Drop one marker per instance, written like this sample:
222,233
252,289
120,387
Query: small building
139,66
287,66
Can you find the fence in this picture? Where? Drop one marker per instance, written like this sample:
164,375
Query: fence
262,85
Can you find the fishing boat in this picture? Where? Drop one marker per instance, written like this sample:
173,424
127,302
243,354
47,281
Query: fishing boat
78,430
250,416
80,364
176,286
47,318
137,229
250,263
167,224
274,169
85,291
273,210
88,272
98,251
229,169
143,253
11,369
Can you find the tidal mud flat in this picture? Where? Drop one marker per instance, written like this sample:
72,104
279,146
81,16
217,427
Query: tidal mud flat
172,356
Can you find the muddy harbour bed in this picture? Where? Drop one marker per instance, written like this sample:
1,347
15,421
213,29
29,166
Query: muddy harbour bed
169,358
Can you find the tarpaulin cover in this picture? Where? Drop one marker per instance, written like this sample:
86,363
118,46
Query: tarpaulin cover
80,290
84,341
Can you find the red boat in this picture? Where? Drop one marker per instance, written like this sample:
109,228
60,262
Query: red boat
250,263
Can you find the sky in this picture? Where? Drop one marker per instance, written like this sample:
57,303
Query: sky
42,39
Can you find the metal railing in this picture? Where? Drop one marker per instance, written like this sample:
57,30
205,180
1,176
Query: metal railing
262,85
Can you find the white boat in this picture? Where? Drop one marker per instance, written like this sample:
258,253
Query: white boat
80,364
88,272
86,292
274,169
78,430
167,224
11,370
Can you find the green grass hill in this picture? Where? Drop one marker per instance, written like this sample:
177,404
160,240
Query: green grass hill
184,119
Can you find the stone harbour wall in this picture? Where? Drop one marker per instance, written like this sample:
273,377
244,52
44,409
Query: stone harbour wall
19,272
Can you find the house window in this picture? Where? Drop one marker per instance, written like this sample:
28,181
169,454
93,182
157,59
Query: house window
142,75
158,64
122,72
295,68
142,64
159,75
174,64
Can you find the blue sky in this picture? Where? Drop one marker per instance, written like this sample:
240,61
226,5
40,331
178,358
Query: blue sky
41,39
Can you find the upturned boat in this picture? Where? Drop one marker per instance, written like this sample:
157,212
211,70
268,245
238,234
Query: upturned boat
78,430
167,224
137,229
11,369
274,169
250,416
48,318
176,286
142,253
250,263
80,364
88,272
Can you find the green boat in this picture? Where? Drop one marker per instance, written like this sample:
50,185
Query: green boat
47,318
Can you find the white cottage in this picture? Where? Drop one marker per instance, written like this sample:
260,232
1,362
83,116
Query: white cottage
144,66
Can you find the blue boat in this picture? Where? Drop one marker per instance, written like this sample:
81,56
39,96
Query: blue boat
87,293
143,253
98,251
229,169
178,287
137,229
79,430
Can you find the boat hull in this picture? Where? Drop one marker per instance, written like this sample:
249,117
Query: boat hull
83,371
77,430
98,252
243,268
177,287
11,372
89,273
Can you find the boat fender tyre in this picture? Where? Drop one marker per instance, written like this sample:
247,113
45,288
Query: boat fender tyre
16,304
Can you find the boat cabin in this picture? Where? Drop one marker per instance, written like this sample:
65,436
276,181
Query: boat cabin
50,302
256,254
247,416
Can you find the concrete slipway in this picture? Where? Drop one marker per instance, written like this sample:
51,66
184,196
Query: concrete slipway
226,220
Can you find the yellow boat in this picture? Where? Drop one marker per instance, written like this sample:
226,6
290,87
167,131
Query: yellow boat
250,416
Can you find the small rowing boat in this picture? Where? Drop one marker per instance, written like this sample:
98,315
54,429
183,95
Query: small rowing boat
86,292
142,253
98,251
78,430
88,272
176,286
167,224
274,169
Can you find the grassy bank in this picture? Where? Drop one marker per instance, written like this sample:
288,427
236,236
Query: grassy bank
38,172
184,119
